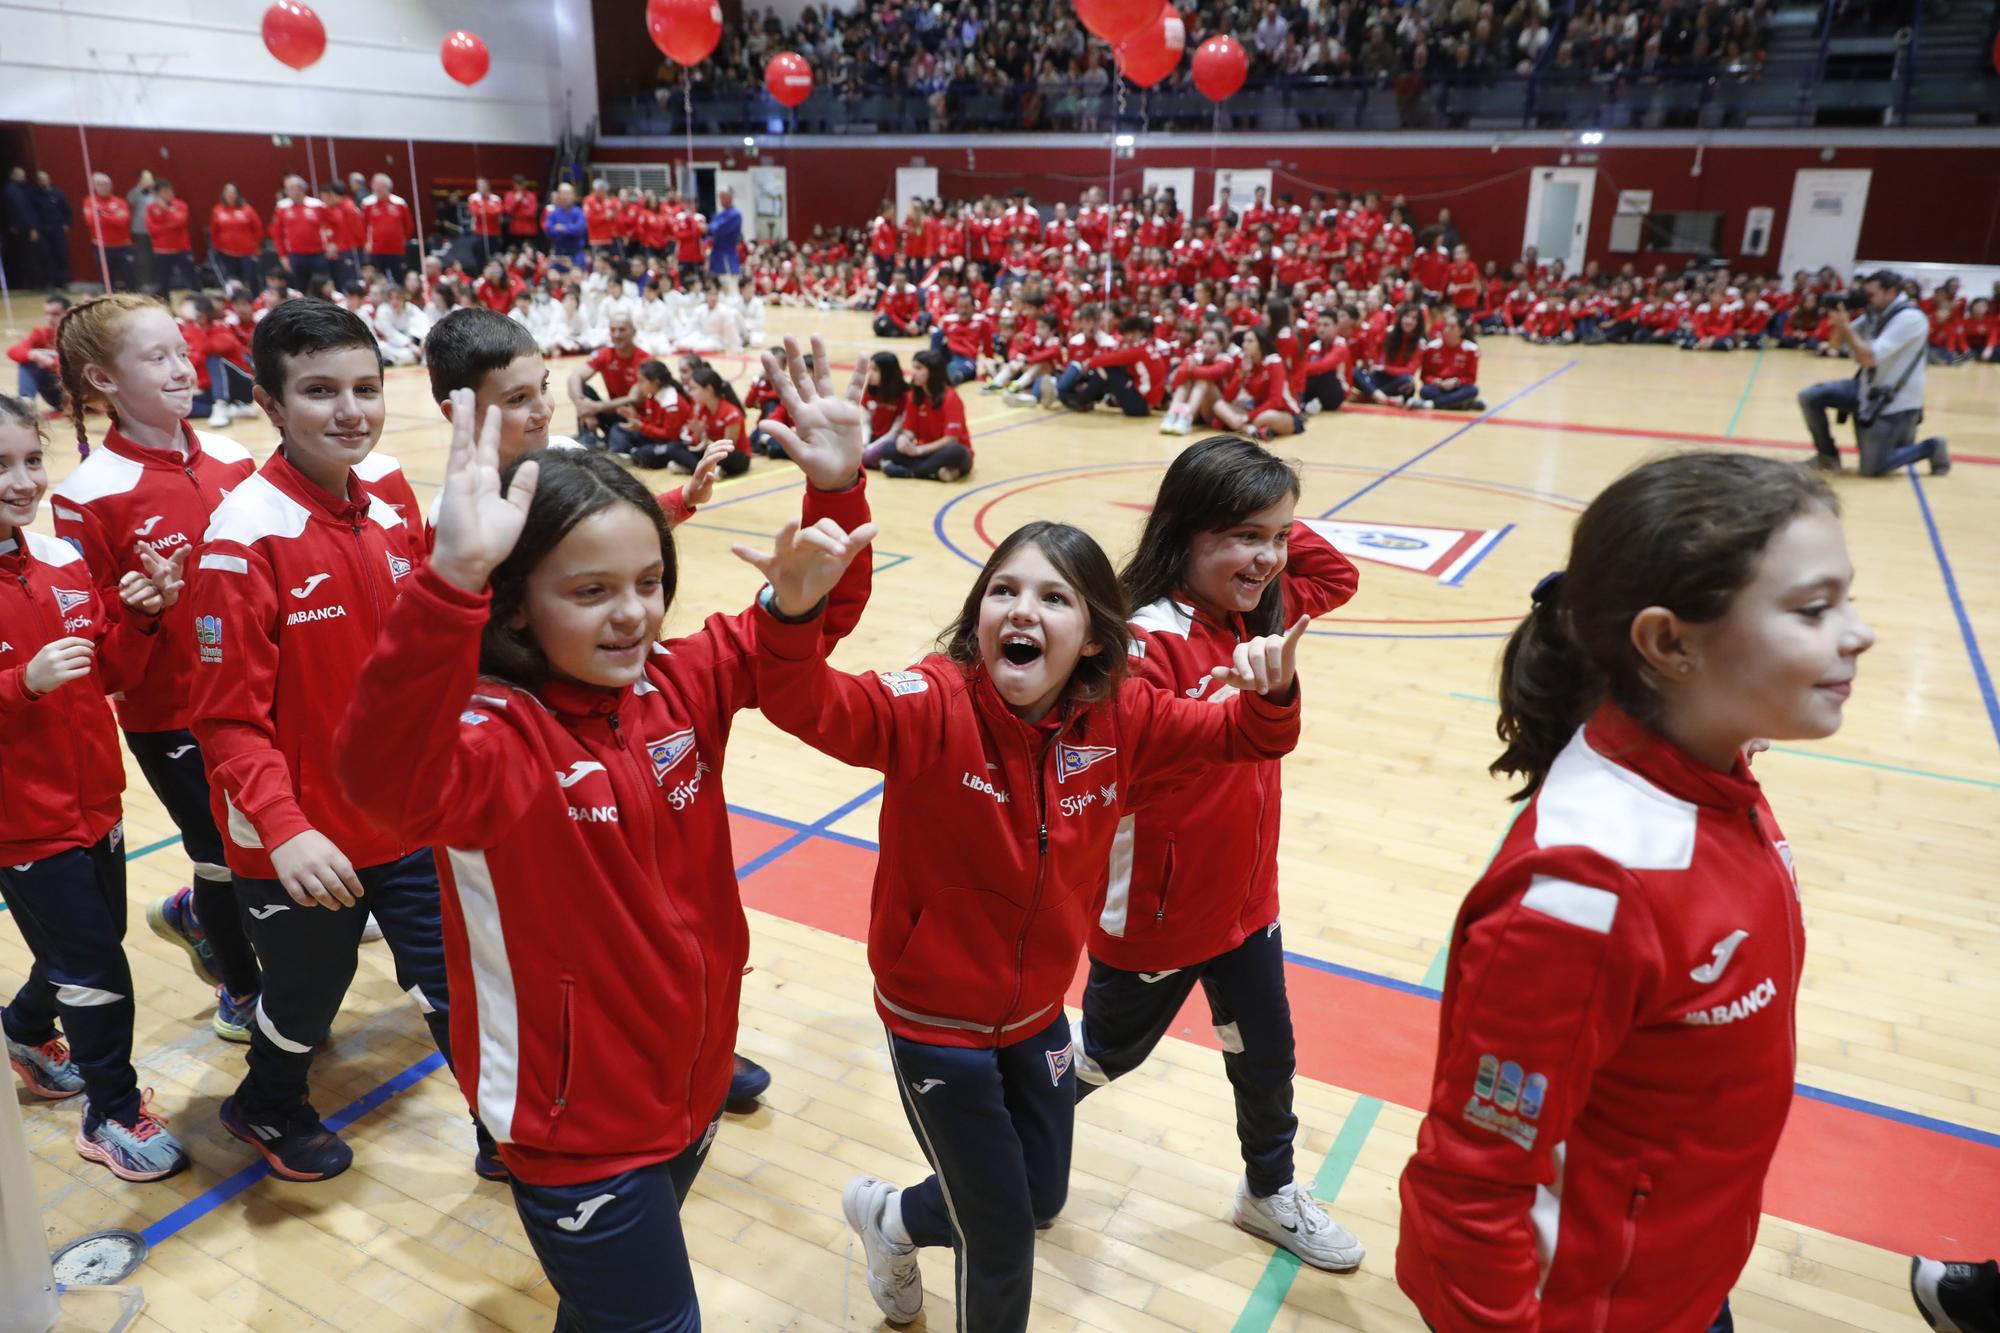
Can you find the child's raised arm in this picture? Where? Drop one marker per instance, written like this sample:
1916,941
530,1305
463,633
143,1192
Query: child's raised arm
1261,722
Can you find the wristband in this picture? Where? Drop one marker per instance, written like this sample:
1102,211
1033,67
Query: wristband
768,599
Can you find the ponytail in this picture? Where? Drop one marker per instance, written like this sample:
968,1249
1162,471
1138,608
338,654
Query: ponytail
1548,688
1683,533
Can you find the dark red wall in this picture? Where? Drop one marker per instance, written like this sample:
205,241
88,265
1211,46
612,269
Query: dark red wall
1936,204
200,163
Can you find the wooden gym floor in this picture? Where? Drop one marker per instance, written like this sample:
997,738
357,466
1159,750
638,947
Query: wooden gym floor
1894,1143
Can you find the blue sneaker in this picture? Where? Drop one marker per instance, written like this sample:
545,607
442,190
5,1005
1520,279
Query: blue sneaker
295,1145
142,1150
172,919
232,1019
46,1068
746,1085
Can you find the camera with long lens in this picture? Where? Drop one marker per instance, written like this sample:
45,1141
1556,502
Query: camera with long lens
1854,301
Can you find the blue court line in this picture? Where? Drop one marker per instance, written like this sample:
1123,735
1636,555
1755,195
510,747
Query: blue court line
1737,415
1979,671
1458,580
1413,460
1951,1129
1794,750
201,1205
817,827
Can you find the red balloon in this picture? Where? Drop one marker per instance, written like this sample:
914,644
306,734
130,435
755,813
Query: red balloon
1155,52
1219,68
294,34
788,78
465,57
684,30
1116,20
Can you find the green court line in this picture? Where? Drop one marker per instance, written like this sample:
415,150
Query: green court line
1737,415
1876,764
138,852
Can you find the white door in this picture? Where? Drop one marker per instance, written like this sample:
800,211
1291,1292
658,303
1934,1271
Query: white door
1178,179
914,183
1823,225
770,220
1559,214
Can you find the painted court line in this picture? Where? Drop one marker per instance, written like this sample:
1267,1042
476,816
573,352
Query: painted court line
1979,672
1741,402
1414,459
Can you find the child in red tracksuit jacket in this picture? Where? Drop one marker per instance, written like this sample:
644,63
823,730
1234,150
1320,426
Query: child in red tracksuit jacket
298,567
153,485
1192,888
1008,760
569,768
62,859
1617,1043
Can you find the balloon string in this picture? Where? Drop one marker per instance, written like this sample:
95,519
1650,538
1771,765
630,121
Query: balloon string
687,123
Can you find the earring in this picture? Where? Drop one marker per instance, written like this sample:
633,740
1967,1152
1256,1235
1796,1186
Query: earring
1685,668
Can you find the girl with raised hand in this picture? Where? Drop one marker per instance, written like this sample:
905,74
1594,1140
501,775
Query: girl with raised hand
1192,880
1008,760
1617,1043
518,714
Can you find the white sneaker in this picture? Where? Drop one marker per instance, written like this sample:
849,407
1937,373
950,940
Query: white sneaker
894,1279
1169,422
1022,398
1294,1219
219,417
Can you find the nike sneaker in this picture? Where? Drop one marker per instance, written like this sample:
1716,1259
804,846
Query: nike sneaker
1294,1220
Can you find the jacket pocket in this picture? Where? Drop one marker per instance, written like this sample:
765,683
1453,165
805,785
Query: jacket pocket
566,1050
1166,886
1628,1238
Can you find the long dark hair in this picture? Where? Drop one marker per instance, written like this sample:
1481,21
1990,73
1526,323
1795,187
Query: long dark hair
1084,566
1683,533
1212,486
707,377
1395,344
891,387
937,377
573,485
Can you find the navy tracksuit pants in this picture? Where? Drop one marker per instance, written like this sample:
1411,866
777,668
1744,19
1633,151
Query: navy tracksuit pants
70,909
1126,1013
613,1248
172,764
997,1127
308,955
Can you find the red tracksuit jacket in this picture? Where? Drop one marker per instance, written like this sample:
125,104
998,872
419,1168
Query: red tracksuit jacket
61,784
289,594
123,495
237,232
1615,1052
1194,868
994,830
300,228
390,224
592,923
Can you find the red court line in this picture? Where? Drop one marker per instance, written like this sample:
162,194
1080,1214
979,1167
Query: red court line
1905,1189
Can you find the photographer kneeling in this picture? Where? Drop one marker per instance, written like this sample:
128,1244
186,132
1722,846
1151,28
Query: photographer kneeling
1886,397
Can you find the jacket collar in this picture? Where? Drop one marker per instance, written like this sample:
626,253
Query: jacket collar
118,443
14,553
278,470
1617,736
986,697
567,699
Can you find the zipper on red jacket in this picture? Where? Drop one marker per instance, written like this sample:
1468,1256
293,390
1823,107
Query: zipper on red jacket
1641,1189
566,1050
1041,878
700,959
1166,885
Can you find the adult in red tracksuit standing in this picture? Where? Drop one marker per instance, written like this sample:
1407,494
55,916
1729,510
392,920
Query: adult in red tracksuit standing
235,240
571,775
299,230
1192,887
1617,1043
1007,760
298,568
390,227
173,251
62,858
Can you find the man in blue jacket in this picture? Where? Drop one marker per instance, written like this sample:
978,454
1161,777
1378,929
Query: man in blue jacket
564,224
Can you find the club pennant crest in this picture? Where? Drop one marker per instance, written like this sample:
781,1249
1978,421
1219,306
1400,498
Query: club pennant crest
667,752
398,566
1074,759
69,598
1059,1063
